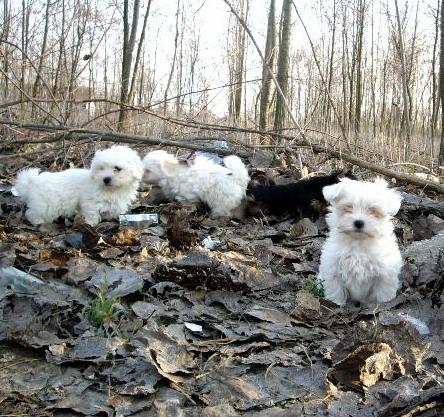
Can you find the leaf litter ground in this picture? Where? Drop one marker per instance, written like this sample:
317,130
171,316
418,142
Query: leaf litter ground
119,321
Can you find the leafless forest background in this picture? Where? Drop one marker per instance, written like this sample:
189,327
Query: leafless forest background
358,77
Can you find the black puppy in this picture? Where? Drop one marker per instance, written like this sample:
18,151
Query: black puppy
300,199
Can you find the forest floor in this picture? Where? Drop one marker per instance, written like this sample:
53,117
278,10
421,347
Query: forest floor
120,321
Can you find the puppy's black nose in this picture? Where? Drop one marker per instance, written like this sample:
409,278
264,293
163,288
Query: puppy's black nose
107,180
359,224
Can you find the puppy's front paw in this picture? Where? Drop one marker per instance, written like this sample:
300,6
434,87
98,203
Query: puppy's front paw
337,294
92,220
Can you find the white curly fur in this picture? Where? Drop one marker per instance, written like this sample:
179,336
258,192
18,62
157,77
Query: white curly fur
222,188
101,192
360,259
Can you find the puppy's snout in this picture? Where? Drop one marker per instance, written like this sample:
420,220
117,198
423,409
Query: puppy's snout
107,180
359,224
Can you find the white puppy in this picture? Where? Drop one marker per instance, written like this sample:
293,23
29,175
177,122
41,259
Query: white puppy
360,259
222,188
101,192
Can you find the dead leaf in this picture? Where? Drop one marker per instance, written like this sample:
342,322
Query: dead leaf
126,237
307,307
111,253
366,365
54,257
269,314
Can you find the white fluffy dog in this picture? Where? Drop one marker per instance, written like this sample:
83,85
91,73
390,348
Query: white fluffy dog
360,259
222,188
102,192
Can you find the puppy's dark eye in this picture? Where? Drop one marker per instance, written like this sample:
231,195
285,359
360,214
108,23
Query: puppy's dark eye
374,211
118,169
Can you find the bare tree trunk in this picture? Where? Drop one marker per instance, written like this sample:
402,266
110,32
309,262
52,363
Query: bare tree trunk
441,86
405,94
42,52
139,51
26,10
269,55
327,107
173,63
5,35
360,40
180,65
236,64
75,52
282,69
129,40
344,68
435,81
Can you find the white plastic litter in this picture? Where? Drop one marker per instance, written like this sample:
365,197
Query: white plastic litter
197,328
211,243
418,324
139,220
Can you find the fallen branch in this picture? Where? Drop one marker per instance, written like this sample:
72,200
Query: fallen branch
99,135
138,139
426,400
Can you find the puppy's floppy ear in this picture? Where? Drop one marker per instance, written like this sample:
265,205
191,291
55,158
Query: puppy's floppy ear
380,182
94,160
391,198
332,193
393,202
168,166
137,169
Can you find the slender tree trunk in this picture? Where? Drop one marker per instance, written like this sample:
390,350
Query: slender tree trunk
435,92
283,62
129,40
139,51
236,66
441,86
5,30
405,94
26,9
35,87
173,63
180,65
269,62
359,48
327,107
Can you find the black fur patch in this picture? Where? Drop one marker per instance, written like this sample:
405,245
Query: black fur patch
300,199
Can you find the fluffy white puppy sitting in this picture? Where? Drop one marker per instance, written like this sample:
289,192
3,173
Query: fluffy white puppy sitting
360,259
222,188
102,192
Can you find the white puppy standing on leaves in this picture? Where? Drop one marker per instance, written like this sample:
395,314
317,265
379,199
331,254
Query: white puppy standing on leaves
360,259
222,188
102,192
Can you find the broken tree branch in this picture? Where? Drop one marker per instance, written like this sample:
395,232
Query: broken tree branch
139,139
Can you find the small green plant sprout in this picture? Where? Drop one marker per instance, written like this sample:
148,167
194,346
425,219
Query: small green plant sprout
314,286
102,310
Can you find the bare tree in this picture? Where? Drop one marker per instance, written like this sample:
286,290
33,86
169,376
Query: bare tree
282,65
435,80
42,53
405,94
173,63
237,62
269,56
441,86
360,23
138,54
129,41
